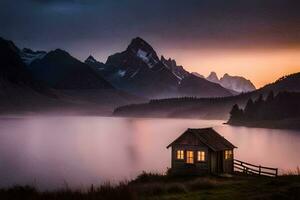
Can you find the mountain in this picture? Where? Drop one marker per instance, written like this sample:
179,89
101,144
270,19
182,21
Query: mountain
138,70
92,62
191,85
79,83
59,70
197,74
212,77
18,88
37,81
28,55
12,68
177,70
13,71
207,108
235,83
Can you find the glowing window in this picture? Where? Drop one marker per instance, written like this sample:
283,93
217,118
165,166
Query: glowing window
228,154
201,156
180,154
190,157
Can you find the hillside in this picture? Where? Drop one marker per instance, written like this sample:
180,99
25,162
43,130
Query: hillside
19,90
206,108
79,83
53,82
155,186
58,69
281,111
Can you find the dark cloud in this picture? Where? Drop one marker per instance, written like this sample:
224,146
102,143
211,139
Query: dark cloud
107,24
63,1
53,1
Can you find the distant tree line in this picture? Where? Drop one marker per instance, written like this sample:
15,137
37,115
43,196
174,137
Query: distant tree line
186,100
171,102
285,105
185,105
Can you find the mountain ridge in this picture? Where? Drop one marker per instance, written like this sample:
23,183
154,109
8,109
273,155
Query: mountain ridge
60,70
21,91
206,108
133,73
235,83
138,70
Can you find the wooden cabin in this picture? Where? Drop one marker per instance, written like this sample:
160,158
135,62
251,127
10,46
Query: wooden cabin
201,151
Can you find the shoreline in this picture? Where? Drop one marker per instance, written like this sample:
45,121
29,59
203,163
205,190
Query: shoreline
290,124
157,186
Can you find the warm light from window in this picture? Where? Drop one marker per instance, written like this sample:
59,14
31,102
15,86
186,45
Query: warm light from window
228,154
190,157
180,154
201,156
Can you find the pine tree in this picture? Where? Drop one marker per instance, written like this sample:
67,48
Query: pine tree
257,111
249,109
236,114
270,97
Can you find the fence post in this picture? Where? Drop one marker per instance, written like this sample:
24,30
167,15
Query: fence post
253,169
244,168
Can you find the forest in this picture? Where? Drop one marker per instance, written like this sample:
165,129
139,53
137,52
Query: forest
273,110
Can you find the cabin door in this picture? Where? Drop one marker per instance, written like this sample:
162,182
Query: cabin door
220,162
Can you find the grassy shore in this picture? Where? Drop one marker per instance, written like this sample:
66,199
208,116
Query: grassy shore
154,186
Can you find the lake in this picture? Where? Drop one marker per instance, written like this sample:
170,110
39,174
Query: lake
53,152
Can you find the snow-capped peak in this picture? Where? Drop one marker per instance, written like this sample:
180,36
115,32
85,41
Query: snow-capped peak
142,55
28,55
146,57
177,70
121,73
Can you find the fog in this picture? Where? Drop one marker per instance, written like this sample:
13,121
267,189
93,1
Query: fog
51,152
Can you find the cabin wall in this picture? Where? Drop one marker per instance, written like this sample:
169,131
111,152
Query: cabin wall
213,162
182,167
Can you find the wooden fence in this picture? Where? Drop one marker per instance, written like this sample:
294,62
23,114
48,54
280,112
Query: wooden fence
254,169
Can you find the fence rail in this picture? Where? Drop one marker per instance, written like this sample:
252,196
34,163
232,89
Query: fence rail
254,169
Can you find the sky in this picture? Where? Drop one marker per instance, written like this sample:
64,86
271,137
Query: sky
257,39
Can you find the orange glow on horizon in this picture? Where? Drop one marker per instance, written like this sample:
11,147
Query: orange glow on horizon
261,66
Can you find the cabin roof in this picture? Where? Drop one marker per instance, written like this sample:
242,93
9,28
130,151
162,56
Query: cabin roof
207,136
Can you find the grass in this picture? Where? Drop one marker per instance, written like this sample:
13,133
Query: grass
295,172
151,186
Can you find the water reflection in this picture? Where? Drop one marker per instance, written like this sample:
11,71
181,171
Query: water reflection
52,151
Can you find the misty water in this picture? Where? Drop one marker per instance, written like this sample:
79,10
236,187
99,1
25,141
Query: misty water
54,152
